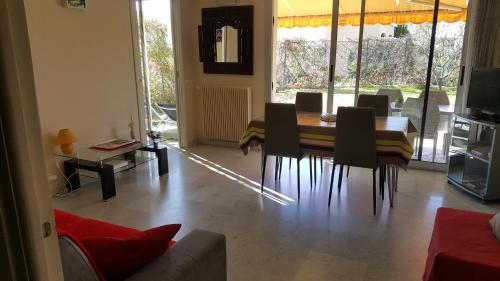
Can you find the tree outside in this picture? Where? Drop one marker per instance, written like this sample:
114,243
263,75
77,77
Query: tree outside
160,62
399,61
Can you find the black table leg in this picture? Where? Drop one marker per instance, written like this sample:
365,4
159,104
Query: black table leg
107,176
105,171
162,156
72,175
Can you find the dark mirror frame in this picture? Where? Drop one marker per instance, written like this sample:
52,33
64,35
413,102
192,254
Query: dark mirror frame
238,17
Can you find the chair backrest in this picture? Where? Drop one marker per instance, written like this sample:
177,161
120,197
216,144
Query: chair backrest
281,131
440,97
310,102
355,143
379,102
393,94
413,109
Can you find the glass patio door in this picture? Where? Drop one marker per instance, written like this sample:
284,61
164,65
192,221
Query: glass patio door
158,66
302,48
409,50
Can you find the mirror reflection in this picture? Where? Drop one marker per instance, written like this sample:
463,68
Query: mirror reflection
226,44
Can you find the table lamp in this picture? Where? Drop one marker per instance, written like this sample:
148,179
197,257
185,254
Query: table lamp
66,138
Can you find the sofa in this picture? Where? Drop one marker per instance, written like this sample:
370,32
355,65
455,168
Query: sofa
463,248
124,253
200,255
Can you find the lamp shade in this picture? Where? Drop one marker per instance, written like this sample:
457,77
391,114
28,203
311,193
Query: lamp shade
65,136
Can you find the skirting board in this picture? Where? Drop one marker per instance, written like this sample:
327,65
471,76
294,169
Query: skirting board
219,143
428,166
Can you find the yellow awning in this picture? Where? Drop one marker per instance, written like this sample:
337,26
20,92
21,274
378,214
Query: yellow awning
315,13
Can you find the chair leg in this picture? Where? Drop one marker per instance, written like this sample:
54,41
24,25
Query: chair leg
310,171
341,173
281,166
348,170
397,179
331,185
381,180
314,170
393,184
321,163
276,168
298,178
264,161
374,191
434,147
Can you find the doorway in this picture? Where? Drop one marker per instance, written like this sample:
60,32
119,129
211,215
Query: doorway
158,67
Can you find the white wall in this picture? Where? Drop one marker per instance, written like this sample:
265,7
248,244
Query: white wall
193,69
84,70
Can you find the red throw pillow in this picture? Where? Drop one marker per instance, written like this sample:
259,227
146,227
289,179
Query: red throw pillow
118,258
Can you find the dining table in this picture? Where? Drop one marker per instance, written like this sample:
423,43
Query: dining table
394,137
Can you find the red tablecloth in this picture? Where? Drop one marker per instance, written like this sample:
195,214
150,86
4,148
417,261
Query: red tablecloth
463,248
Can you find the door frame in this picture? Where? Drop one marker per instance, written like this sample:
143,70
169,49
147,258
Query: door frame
23,138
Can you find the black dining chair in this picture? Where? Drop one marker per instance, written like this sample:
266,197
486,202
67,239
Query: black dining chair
281,136
379,102
310,102
381,105
355,144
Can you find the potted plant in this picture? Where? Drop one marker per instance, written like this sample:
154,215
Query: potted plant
155,136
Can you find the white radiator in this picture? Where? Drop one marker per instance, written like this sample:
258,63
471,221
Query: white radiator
226,112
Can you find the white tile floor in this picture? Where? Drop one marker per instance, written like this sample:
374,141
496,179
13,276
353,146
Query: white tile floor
274,237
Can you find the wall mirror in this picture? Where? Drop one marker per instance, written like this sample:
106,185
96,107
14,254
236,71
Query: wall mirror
226,40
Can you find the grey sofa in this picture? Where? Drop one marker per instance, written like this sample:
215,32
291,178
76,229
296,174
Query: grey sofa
200,255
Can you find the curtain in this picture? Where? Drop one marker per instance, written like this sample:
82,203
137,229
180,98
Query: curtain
486,33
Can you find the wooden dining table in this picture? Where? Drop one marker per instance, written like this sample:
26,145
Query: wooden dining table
317,137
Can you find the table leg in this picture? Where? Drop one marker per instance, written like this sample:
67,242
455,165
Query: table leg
72,175
162,156
107,175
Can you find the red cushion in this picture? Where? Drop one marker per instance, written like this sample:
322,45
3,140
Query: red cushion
115,251
82,228
117,258
463,247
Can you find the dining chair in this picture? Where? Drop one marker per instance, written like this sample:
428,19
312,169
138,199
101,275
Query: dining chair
413,109
281,136
355,144
310,102
379,102
440,97
381,105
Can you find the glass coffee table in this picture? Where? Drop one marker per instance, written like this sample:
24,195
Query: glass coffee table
106,163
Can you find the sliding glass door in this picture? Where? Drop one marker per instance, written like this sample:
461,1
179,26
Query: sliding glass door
303,48
409,50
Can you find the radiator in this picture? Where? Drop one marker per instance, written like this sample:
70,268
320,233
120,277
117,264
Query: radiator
226,112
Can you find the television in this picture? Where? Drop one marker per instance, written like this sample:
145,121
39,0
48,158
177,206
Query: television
484,90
